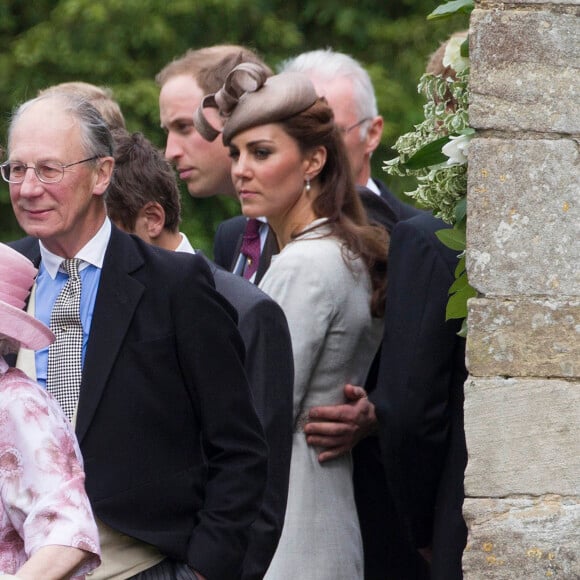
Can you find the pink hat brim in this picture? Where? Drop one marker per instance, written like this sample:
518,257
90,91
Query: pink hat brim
28,331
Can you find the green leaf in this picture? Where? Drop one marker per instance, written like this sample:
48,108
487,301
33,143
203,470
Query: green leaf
452,238
457,303
451,8
460,268
428,155
461,209
464,48
460,283
463,330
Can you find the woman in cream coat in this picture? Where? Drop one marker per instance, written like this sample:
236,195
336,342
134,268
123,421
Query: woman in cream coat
289,165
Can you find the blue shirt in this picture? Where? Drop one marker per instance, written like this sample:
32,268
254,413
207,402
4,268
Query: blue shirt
51,279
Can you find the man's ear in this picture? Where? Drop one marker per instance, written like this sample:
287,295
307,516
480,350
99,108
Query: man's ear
104,174
153,215
314,162
374,134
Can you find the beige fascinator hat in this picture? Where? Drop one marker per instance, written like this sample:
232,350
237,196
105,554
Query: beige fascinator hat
17,276
250,98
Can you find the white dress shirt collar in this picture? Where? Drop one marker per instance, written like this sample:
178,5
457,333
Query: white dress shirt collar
373,186
184,245
92,253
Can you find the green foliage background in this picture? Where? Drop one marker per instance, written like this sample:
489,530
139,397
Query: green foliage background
122,44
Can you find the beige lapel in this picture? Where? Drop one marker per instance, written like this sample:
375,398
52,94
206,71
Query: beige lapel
25,360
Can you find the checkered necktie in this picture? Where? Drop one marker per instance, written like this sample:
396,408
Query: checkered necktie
64,371
251,247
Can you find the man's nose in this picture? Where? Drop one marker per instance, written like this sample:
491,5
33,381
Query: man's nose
30,185
173,148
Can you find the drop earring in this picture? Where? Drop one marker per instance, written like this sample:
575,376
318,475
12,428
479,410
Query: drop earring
307,186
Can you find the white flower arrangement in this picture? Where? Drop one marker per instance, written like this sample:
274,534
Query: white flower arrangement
456,149
453,57
436,153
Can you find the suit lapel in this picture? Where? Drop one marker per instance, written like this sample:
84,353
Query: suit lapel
270,248
117,297
115,304
237,251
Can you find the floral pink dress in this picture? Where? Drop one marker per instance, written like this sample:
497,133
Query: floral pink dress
42,492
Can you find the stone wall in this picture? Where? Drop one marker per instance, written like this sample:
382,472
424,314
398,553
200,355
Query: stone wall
522,398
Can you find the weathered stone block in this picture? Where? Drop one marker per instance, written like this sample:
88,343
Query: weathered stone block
513,538
524,338
523,222
516,3
522,437
525,71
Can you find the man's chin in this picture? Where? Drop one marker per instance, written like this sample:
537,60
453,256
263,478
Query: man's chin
196,193
36,230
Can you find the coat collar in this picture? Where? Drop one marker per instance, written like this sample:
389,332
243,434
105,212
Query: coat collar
117,298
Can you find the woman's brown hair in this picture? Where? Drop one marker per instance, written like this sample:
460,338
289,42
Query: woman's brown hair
338,200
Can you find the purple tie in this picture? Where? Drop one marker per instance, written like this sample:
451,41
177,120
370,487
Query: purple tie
251,247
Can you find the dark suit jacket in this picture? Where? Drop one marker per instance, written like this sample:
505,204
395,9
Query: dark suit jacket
419,397
173,450
270,370
384,552
228,241
402,210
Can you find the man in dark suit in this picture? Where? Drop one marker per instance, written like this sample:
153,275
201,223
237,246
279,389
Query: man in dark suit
143,198
174,453
419,400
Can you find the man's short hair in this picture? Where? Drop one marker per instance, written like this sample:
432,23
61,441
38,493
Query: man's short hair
95,135
142,174
100,97
327,65
208,66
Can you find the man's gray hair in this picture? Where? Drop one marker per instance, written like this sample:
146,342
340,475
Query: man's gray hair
96,139
327,65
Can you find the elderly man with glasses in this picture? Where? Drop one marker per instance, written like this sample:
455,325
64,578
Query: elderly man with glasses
148,362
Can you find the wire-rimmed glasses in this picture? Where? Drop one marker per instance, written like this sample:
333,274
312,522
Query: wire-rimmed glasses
46,171
346,130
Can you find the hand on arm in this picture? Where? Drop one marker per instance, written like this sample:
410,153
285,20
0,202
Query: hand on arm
338,428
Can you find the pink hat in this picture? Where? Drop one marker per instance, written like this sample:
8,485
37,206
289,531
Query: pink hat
17,275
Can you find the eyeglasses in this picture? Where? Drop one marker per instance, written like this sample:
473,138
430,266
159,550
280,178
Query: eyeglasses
46,171
345,130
